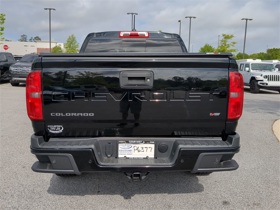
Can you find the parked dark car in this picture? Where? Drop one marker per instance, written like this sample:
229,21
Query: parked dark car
6,60
21,69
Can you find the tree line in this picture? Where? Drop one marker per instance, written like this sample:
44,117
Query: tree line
24,38
71,45
227,45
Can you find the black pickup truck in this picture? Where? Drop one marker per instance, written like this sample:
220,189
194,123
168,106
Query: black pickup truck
134,102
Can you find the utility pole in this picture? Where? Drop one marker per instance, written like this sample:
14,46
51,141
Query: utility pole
180,22
132,20
50,26
190,26
246,20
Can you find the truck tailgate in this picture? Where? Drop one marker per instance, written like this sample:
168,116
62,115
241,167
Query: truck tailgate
179,95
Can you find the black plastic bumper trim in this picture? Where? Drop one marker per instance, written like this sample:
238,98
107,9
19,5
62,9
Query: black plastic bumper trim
59,163
77,155
210,162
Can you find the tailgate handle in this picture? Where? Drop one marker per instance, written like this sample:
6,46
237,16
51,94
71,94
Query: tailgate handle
135,79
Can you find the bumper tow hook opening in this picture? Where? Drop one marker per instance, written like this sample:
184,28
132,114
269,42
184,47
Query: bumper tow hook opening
136,176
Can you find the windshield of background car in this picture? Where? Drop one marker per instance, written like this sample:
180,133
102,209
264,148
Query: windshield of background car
262,67
28,58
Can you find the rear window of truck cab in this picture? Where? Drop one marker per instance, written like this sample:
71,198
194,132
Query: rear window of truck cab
112,42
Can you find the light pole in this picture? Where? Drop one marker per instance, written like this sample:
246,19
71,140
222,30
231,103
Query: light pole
190,30
180,22
50,26
132,20
246,20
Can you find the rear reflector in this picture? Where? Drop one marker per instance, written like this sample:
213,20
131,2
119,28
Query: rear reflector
34,96
134,34
236,95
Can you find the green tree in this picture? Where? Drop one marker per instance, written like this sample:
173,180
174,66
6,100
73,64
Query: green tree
57,49
270,54
37,38
2,21
240,56
261,55
273,54
207,48
71,44
23,38
226,44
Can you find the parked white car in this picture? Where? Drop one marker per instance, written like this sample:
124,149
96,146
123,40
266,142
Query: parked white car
259,74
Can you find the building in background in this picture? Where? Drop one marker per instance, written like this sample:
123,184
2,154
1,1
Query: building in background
22,48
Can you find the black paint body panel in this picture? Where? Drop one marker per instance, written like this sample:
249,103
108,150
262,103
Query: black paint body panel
82,95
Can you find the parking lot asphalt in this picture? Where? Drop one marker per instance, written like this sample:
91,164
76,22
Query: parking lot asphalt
276,129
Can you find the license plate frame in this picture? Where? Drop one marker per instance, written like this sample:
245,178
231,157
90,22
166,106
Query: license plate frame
136,149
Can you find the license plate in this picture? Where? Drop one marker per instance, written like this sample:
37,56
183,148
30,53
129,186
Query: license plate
136,150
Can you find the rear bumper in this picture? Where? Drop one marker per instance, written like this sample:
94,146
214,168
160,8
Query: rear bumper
17,78
269,86
79,155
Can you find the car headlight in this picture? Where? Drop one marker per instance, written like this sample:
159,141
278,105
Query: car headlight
265,76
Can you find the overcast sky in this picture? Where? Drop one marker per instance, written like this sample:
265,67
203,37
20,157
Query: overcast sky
214,17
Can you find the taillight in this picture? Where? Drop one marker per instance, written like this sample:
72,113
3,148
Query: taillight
236,96
134,34
34,96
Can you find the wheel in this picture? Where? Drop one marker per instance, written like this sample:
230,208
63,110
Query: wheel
14,83
254,87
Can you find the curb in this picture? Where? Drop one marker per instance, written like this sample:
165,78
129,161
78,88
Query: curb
276,129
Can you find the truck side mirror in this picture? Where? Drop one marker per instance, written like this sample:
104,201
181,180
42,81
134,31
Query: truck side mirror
247,69
276,69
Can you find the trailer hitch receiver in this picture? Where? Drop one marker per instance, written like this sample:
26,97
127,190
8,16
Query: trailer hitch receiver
136,176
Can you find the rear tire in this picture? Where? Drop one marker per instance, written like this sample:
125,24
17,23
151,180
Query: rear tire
254,87
14,83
